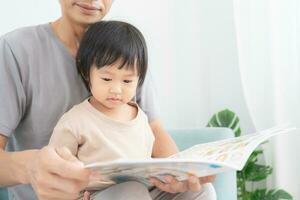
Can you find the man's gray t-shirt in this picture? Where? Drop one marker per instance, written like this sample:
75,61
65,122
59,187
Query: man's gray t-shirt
38,83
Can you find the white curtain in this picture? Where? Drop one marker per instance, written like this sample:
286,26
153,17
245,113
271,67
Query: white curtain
193,57
268,51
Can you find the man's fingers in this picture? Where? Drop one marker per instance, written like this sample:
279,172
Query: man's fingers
66,165
57,174
70,186
66,154
57,194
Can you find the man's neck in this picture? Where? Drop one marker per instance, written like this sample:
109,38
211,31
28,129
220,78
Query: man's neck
69,34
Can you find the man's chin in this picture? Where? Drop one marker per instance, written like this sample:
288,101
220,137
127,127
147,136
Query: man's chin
87,21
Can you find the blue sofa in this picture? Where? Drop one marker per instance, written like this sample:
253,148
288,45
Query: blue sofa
225,183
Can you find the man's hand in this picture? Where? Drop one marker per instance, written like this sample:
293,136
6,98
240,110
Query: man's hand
171,185
56,174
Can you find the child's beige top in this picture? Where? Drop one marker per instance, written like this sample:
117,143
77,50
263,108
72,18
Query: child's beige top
93,137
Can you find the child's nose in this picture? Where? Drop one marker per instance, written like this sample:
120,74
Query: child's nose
116,89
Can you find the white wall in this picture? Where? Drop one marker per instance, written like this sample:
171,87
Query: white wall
14,14
191,47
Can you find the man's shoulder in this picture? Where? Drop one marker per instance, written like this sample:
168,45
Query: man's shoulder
26,35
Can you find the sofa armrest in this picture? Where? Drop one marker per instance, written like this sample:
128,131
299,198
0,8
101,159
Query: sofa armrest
3,194
225,183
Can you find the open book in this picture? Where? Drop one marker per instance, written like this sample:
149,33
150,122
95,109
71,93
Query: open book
199,160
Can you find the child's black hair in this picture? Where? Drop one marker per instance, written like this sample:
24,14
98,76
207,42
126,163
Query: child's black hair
106,42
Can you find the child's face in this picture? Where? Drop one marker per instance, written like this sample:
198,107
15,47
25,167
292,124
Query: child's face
113,87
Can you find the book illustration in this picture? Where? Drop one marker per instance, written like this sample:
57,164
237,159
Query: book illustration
234,151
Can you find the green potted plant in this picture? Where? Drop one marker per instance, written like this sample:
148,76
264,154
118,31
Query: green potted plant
252,172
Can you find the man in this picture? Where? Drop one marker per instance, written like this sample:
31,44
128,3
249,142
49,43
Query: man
39,82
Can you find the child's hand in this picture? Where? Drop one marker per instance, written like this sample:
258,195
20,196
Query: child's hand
86,195
172,185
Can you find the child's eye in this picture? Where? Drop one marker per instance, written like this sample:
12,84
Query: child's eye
106,79
127,81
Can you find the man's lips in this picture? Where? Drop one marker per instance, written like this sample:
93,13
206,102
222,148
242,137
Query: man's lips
88,7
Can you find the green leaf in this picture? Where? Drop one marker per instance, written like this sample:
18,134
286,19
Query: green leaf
263,194
256,172
238,132
226,118
279,194
213,122
254,155
260,194
251,171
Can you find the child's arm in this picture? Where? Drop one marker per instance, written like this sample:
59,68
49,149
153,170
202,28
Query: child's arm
164,145
62,136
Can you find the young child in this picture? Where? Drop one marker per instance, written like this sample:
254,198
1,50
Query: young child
109,125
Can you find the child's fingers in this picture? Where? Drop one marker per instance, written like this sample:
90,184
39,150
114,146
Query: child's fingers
171,185
160,185
194,184
86,195
207,179
175,185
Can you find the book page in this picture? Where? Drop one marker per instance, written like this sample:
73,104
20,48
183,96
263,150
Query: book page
199,160
232,152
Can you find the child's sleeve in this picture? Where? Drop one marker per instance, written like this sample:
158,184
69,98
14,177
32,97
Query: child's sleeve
64,136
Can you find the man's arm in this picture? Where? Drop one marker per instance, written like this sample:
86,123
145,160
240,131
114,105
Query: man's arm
53,173
13,164
164,145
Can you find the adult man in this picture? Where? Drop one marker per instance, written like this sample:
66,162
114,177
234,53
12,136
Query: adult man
39,82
